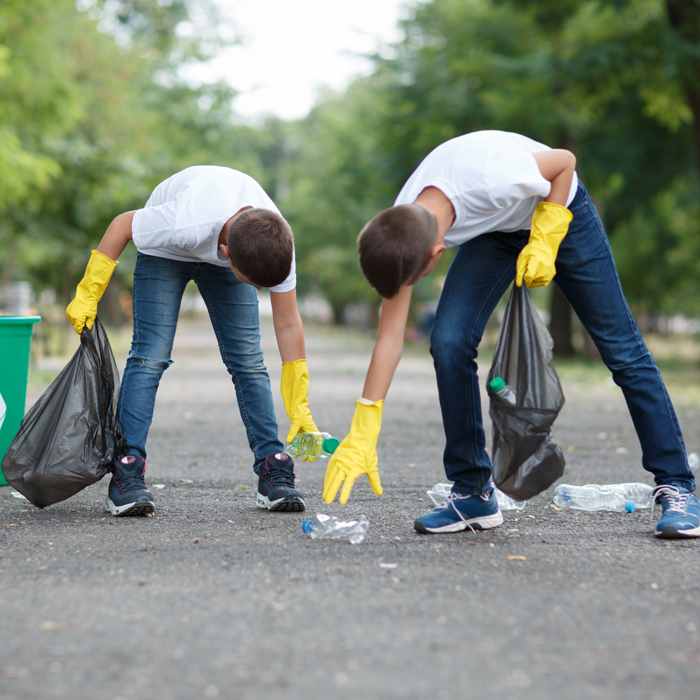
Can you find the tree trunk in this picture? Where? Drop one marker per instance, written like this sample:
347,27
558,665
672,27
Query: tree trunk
684,16
560,325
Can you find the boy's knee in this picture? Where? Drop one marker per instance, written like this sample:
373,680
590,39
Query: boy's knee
148,364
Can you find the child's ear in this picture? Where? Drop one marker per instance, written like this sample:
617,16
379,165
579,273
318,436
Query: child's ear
224,250
437,250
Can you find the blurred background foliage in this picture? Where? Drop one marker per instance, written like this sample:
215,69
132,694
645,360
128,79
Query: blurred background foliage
93,114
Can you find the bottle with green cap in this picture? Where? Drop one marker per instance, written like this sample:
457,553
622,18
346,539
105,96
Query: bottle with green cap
312,445
500,388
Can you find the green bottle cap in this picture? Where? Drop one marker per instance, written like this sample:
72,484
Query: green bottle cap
497,384
330,445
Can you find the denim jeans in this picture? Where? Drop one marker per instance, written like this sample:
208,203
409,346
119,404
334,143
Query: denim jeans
159,284
480,274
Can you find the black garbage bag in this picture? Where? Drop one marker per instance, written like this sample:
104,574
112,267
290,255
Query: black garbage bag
71,436
525,458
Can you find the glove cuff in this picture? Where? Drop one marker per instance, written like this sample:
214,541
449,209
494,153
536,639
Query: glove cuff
368,416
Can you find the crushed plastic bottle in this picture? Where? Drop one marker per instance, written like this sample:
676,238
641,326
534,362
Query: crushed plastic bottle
440,492
327,527
500,388
312,444
612,497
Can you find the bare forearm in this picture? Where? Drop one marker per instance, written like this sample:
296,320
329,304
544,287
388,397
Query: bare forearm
557,166
117,235
385,360
290,341
389,346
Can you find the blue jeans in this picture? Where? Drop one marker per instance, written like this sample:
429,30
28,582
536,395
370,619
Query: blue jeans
159,284
481,272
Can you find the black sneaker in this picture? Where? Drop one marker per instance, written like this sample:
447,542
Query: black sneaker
276,485
127,494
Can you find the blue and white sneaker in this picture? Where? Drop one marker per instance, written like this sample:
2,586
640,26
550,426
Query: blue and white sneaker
127,494
276,485
460,513
680,515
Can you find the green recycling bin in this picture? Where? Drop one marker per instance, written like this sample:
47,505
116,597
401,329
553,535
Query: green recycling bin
15,342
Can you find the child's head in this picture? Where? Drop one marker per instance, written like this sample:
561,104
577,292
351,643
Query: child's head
395,247
261,246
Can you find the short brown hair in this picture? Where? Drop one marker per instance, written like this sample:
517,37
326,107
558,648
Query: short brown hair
261,245
395,247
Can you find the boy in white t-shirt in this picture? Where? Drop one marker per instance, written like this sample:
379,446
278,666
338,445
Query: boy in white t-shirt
514,207
218,227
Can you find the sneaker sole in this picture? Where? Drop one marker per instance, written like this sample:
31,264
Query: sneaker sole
671,533
287,504
485,522
136,508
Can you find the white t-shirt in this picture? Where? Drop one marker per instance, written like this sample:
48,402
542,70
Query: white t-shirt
491,179
184,216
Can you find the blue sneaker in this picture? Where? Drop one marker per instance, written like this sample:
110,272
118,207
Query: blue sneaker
276,485
461,512
127,494
680,515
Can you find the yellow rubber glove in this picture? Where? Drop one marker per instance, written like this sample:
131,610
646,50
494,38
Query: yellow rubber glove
356,454
550,223
83,309
295,393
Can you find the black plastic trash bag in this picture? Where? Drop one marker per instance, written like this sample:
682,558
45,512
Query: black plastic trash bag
71,436
525,458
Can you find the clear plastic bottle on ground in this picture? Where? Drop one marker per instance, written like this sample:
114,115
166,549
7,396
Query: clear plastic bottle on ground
312,444
327,527
500,388
593,497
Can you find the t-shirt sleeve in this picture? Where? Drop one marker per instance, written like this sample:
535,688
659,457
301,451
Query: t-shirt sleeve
159,227
156,227
512,177
291,281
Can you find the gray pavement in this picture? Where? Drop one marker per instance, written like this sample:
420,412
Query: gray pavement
214,598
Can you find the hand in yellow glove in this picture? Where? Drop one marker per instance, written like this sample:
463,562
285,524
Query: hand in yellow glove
295,393
535,265
83,309
356,454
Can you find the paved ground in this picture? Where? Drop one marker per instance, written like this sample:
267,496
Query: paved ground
213,598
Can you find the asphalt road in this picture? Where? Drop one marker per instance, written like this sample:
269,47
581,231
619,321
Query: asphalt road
214,598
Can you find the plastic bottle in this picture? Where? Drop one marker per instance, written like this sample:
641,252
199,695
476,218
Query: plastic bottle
328,527
312,444
592,497
500,388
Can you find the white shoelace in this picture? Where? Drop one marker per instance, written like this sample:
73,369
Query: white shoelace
450,501
676,498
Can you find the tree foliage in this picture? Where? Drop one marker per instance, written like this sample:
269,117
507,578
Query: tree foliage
94,112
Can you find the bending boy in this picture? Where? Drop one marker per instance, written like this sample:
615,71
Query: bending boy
215,226
514,207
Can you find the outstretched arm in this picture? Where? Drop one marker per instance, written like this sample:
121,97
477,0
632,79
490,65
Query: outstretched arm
357,453
289,329
389,346
295,374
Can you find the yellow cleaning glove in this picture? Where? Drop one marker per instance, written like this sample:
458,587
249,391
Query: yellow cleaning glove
356,454
535,265
83,309
295,393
